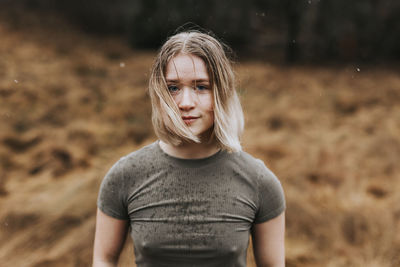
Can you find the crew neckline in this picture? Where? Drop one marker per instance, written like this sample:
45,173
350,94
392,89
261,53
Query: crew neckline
191,163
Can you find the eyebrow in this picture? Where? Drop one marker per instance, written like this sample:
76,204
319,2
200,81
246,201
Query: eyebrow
193,81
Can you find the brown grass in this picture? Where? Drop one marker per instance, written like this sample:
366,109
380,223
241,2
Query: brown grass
71,105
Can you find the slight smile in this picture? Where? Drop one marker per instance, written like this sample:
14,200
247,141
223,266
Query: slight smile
189,119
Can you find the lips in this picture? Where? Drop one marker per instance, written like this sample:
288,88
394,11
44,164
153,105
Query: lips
189,119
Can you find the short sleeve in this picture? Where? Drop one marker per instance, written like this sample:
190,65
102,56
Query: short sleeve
111,198
271,197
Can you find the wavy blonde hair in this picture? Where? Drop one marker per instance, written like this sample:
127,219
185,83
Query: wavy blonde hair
228,114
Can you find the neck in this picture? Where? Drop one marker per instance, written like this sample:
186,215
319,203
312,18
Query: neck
190,150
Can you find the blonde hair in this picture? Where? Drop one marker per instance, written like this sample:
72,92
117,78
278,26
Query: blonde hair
228,115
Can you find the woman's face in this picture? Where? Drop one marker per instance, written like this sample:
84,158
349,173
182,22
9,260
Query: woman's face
189,84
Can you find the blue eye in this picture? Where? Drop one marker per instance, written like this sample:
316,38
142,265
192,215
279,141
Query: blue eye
173,88
201,87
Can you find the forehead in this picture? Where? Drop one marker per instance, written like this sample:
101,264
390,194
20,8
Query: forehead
186,67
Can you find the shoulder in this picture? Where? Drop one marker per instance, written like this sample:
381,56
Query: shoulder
133,162
269,191
267,187
254,166
138,158
260,174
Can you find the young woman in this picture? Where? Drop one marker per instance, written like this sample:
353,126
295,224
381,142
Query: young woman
193,197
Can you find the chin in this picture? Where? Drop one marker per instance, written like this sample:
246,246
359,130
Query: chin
207,136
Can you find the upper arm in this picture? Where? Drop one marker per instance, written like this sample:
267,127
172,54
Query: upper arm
109,238
269,242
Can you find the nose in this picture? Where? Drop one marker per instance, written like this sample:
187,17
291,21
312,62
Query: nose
186,101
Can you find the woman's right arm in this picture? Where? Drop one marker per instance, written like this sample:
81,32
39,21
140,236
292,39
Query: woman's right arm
109,240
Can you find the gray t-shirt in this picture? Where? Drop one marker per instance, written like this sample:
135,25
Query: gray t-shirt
190,212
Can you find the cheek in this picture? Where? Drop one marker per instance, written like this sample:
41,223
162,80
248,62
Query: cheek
208,103
175,99
205,103
211,112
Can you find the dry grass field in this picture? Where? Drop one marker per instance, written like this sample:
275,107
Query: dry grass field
73,104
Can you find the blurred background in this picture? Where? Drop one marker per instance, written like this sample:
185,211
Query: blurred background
320,86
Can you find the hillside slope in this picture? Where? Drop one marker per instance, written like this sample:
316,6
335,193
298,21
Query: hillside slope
72,104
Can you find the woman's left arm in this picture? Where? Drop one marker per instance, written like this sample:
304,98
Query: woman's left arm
269,242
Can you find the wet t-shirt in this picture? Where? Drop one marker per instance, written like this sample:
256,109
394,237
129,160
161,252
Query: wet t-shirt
190,212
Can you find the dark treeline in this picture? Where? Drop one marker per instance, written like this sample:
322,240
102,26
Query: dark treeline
293,30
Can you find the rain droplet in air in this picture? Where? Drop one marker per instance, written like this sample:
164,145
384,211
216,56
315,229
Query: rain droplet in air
16,81
358,69
122,65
